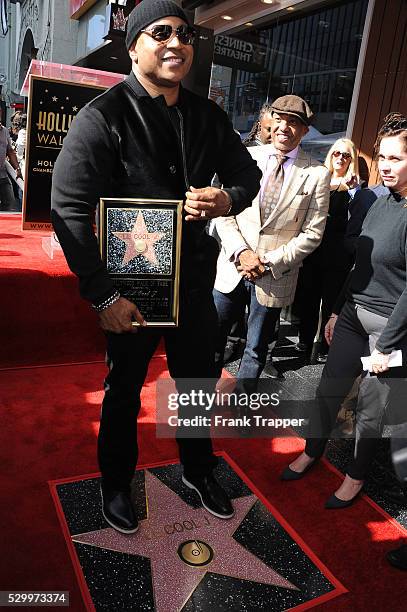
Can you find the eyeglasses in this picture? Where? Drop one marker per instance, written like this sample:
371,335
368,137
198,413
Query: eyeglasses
343,154
163,33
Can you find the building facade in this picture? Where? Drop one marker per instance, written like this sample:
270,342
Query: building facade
312,54
37,29
347,58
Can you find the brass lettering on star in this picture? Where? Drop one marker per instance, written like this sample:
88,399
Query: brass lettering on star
184,526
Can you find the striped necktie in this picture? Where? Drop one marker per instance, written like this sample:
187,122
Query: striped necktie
272,191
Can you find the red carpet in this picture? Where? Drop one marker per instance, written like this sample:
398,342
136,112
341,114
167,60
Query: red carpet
44,321
50,420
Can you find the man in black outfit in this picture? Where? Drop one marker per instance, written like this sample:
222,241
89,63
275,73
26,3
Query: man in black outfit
147,137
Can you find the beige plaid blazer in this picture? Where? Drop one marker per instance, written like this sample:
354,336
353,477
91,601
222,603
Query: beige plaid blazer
291,232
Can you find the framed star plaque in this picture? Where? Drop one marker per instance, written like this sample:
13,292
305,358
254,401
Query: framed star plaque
140,244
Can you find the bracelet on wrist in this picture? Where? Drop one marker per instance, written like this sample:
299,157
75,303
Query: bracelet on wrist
230,203
107,302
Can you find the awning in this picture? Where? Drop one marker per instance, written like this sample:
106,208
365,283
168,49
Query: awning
111,56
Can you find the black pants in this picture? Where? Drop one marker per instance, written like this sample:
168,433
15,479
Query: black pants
318,288
190,352
238,331
356,333
7,199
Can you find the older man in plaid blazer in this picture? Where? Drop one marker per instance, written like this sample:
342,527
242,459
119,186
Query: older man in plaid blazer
262,248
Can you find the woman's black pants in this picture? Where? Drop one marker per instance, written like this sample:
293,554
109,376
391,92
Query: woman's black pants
356,333
319,284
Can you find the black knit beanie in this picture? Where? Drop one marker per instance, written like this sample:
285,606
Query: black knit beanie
149,11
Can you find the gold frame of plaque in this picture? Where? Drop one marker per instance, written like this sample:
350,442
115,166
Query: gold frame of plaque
140,244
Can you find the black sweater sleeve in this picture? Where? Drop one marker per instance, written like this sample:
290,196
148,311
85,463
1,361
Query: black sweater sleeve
396,328
358,209
343,295
81,175
236,169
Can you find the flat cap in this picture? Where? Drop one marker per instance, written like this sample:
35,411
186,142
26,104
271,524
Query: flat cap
149,11
293,105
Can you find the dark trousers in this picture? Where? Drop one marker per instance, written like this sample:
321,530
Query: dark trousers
356,333
238,331
318,288
7,199
261,324
190,355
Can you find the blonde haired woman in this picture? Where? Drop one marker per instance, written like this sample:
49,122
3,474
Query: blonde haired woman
342,163
325,270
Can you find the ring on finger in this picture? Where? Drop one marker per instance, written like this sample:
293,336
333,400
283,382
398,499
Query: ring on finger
203,213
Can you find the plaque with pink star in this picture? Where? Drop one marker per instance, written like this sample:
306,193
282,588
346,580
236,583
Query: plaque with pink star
140,246
182,557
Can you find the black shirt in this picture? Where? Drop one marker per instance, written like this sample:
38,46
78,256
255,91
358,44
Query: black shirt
378,281
331,253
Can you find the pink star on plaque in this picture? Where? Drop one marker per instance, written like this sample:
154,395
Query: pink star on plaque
184,543
139,241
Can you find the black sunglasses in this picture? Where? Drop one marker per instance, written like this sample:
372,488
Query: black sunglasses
343,154
162,33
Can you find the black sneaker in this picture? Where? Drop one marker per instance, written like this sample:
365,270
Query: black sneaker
213,497
118,511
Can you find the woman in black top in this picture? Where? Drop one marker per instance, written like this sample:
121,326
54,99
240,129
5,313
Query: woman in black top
373,322
324,271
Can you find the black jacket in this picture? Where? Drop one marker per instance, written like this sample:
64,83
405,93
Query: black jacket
332,253
358,209
124,144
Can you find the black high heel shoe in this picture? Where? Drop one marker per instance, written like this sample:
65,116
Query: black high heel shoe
398,557
289,474
334,503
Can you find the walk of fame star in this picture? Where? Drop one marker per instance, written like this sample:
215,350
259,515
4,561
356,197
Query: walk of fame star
172,522
139,241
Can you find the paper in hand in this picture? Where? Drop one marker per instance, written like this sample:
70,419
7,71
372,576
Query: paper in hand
395,361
